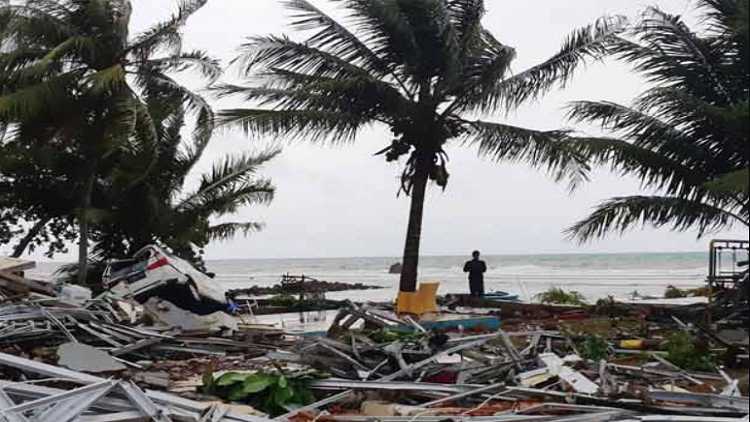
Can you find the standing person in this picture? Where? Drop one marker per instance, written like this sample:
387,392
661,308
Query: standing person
476,269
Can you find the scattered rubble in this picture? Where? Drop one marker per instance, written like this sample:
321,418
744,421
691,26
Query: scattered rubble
548,363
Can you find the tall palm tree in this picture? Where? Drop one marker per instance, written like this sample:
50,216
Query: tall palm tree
73,78
687,135
422,68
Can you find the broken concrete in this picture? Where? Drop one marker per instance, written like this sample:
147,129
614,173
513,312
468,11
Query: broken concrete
84,358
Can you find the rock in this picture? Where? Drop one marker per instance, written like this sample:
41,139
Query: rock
395,268
84,358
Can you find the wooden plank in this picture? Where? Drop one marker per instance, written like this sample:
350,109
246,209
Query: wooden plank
9,264
29,284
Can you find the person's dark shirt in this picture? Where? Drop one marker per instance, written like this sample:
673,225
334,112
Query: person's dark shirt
476,269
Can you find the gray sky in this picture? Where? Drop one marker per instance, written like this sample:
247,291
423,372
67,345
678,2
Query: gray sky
334,202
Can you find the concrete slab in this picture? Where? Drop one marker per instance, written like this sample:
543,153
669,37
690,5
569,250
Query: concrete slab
84,358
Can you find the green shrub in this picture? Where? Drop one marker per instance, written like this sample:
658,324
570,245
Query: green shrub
594,348
559,296
684,351
386,335
268,392
673,292
283,301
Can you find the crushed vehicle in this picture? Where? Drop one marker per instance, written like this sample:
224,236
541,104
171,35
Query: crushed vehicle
153,272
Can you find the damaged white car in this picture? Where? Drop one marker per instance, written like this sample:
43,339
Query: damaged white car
152,272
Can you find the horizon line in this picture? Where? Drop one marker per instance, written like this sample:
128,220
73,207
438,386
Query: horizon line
421,256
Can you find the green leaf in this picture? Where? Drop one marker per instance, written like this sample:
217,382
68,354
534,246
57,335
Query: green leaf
305,395
281,395
283,383
734,182
257,383
237,393
230,378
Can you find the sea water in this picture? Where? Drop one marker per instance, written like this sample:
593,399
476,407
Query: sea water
594,275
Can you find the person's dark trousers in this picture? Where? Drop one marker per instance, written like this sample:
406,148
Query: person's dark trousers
476,287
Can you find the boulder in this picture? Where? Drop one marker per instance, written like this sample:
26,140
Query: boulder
395,268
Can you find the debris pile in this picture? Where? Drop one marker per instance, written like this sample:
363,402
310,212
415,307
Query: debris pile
529,374
115,358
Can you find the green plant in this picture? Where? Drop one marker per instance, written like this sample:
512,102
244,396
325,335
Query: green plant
558,296
673,292
594,348
269,392
283,300
684,351
386,335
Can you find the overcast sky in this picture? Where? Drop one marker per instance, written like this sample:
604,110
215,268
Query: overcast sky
337,202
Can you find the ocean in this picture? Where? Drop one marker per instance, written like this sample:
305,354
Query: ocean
594,275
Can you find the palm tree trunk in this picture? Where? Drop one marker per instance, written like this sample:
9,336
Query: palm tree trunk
24,243
408,281
83,228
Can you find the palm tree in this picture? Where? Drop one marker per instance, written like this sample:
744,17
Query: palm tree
72,78
160,209
687,135
419,67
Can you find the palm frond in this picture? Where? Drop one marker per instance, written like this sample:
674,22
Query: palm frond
334,37
364,97
227,231
736,183
645,131
466,17
226,175
385,28
165,35
654,170
106,80
550,150
28,101
29,24
723,130
65,56
477,88
671,37
156,84
314,126
620,214
588,43
228,201
272,52
209,67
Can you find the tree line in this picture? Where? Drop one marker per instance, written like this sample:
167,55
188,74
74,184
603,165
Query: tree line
97,137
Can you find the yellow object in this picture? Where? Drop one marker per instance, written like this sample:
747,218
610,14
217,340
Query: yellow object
423,301
632,344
